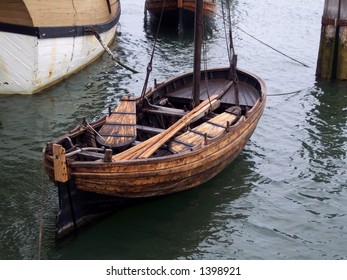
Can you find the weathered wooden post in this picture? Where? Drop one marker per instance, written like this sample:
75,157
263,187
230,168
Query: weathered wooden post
327,49
332,57
342,43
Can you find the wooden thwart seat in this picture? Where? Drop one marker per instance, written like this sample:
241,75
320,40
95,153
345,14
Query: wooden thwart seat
197,136
119,129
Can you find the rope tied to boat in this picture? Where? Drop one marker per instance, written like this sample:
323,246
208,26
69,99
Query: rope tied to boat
267,45
150,63
276,50
87,126
289,93
41,215
94,32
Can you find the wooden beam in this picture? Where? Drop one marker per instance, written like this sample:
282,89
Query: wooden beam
326,67
164,111
341,66
150,129
59,164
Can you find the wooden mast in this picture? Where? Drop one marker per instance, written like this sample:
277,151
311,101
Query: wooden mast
197,51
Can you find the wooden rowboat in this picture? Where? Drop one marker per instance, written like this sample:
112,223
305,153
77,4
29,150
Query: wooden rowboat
43,42
160,143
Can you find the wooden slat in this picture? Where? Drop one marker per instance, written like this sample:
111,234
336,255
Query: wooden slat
14,12
195,138
63,12
150,129
164,111
119,129
214,86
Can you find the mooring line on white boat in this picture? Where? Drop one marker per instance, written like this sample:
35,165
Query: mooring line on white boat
107,49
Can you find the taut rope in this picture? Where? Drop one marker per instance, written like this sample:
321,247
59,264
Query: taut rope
149,66
41,216
107,49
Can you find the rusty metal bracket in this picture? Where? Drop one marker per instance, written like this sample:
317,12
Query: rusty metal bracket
334,21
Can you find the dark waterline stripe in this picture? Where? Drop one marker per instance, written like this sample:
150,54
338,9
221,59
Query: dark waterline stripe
60,31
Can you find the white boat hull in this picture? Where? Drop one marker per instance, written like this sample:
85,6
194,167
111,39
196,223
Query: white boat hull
43,42
29,64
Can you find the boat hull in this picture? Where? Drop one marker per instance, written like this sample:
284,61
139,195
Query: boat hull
38,51
29,64
178,11
156,7
79,208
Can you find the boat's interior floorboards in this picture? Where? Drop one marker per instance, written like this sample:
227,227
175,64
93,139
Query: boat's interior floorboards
247,94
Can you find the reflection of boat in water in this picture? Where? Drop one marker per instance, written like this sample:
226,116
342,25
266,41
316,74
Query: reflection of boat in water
43,42
181,11
138,223
172,138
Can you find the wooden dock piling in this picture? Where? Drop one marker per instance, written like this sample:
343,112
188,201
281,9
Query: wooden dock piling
332,57
342,43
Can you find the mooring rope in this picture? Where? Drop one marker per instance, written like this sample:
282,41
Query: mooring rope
303,64
289,93
150,63
265,44
107,49
86,125
225,33
41,215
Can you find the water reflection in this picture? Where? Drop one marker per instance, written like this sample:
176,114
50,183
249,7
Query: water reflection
326,128
182,221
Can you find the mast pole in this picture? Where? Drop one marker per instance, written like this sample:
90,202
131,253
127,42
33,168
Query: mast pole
197,51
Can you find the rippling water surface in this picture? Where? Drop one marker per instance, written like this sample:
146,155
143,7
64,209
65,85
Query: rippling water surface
284,197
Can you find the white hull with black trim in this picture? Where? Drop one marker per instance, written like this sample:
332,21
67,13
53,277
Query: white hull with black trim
43,43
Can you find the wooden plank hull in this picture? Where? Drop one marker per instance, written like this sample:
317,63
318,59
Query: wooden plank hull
173,8
155,7
108,184
45,42
154,182
163,176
